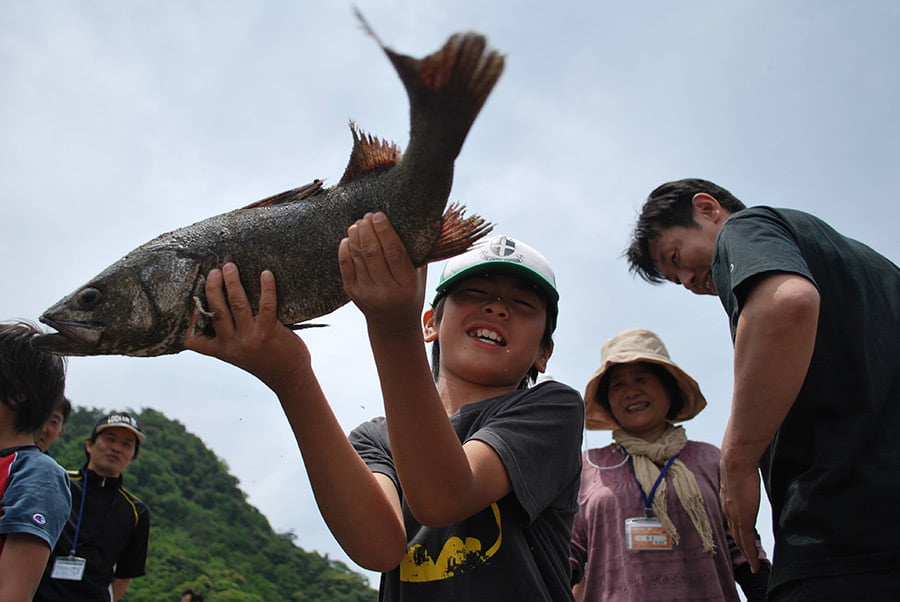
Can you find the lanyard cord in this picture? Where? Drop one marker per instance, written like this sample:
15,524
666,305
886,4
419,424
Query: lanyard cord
648,500
80,513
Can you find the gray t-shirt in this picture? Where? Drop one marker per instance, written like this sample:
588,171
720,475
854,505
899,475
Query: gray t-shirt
517,548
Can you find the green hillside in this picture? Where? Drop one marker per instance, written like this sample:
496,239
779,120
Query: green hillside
204,534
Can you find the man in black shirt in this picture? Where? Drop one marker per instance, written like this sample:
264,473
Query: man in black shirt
815,319
104,544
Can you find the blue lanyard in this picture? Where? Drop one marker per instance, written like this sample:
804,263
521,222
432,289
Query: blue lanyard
80,513
648,500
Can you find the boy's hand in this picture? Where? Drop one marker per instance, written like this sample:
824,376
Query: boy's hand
259,344
379,276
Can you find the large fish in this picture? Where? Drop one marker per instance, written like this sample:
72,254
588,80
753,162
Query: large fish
141,305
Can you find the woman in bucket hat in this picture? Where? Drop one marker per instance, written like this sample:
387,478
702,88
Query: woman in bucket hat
650,526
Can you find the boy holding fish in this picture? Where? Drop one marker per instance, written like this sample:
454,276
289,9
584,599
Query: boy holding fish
467,488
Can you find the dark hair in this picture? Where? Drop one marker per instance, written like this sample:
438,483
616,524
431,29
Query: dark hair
31,381
530,377
670,205
64,407
195,595
676,399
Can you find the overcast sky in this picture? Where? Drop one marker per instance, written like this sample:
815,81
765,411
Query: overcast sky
124,120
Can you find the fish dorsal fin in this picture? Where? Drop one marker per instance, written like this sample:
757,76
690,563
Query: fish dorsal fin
458,233
297,194
369,153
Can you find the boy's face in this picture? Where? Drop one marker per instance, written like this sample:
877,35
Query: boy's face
112,451
491,330
50,432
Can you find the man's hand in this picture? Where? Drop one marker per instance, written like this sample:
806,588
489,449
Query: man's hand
739,495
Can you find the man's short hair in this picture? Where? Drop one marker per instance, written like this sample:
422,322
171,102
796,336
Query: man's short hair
670,205
195,595
31,381
64,407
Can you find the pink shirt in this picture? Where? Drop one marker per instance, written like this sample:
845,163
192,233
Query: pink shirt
611,572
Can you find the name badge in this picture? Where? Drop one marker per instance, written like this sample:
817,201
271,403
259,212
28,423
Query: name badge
69,568
644,534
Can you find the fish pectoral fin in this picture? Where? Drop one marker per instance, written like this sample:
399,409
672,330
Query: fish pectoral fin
301,326
368,154
290,196
458,233
204,318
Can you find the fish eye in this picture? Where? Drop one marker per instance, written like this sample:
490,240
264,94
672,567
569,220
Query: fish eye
88,297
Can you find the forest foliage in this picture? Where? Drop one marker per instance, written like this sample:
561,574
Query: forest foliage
204,533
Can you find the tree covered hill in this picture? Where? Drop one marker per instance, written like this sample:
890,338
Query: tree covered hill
204,534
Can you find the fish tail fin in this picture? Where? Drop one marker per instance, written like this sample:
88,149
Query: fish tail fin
447,88
458,233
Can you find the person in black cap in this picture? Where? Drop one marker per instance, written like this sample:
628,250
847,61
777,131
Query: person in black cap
104,544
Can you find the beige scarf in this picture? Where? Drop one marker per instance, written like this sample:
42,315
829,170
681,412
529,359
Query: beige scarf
648,457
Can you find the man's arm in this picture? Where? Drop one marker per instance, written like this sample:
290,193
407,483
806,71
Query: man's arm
773,346
21,566
443,481
119,587
361,509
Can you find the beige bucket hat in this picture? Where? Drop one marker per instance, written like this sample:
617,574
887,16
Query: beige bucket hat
637,345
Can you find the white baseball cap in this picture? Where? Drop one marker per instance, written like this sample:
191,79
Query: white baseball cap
502,254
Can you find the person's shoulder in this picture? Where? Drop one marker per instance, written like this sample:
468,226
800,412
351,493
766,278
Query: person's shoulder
607,452
555,388
701,450
134,500
36,460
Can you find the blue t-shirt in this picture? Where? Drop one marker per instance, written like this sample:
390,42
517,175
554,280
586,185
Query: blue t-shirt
34,494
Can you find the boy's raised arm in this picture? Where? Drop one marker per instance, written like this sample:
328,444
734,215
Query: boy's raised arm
443,481
361,509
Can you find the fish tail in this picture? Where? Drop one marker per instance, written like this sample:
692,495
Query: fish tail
458,233
446,89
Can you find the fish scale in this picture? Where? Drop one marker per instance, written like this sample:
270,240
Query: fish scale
142,304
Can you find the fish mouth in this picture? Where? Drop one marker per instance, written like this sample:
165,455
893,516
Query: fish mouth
71,338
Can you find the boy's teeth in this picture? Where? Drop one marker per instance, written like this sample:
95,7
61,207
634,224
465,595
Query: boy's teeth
483,333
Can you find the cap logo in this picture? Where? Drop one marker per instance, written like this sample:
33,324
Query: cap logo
122,419
502,246
39,519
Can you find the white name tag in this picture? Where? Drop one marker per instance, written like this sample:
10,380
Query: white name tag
644,534
69,568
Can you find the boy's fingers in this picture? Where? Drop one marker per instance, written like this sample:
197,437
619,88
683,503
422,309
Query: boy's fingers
218,305
237,298
268,296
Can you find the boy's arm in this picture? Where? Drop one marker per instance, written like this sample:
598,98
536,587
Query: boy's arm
773,346
443,481
361,511
22,563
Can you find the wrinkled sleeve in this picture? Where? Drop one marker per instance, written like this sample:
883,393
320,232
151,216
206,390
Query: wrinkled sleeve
37,500
578,547
371,442
538,440
133,561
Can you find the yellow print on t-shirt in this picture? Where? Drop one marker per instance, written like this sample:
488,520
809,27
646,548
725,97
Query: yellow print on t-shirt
455,554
